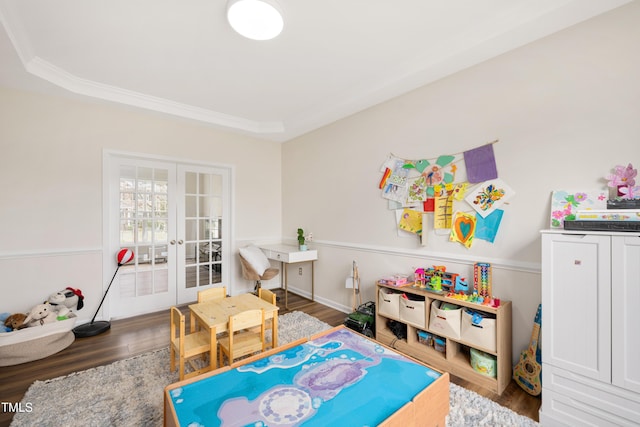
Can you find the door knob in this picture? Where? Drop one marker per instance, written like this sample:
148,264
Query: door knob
173,242
180,241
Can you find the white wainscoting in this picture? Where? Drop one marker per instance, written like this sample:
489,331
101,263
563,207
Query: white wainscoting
519,282
29,278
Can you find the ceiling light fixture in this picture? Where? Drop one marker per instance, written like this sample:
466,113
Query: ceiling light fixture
255,19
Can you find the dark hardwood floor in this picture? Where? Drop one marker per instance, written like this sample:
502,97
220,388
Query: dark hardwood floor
136,335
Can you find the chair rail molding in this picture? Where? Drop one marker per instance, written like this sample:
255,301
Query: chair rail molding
49,253
504,264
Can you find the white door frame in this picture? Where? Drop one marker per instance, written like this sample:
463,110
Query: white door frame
109,259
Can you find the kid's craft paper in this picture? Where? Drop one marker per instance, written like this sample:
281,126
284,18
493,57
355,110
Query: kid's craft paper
463,228
396,225
565,204
411,221
417,190
442,212
396,185
489,196
429,205
480,164
460,190
393,205
487,228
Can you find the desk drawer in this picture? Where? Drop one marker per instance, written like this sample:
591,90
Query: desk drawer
278,256
289,257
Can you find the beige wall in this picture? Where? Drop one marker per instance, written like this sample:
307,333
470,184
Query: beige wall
566,110
51,153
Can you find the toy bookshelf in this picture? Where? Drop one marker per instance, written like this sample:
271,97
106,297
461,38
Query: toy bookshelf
455,356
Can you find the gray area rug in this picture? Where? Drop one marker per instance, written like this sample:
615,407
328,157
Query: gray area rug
130,392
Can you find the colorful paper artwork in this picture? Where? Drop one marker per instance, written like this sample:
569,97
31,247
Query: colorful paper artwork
417,189
459,190
489,196
480,164
396,185
411,221
487,228
433,173
442,212
463,228
565,204
429,205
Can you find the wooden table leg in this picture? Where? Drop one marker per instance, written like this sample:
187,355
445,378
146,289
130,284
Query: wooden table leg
286,287
313,297
213,352
274,330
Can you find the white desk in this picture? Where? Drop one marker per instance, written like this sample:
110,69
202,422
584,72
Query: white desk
289,254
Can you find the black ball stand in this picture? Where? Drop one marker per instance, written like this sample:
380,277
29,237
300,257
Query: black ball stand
91,329
95,328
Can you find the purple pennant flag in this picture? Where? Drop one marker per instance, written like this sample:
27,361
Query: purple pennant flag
481,164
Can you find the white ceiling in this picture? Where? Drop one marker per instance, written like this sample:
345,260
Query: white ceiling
334,57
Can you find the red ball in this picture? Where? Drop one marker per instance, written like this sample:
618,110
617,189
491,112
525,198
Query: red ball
124,256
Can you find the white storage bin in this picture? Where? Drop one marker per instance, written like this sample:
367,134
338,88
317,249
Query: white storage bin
388,304
478,330
413,311
445,322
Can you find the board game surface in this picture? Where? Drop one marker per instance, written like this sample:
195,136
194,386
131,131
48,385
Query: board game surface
341,378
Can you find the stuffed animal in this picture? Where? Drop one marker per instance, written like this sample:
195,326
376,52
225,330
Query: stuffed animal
3,317
40,315
58,303
69,298
62,312
15,321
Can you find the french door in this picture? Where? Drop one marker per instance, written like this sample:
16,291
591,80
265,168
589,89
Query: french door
203,222
175,219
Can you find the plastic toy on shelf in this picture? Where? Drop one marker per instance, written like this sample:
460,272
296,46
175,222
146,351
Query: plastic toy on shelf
482,279
435,279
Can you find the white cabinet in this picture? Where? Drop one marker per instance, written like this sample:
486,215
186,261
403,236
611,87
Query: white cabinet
590,328
625,335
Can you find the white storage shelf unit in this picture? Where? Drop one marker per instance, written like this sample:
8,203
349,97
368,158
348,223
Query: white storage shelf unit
420,316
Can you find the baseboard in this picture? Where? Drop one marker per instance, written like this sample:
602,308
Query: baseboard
324,301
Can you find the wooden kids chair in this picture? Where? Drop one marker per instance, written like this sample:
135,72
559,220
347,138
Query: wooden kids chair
271,298
212,293
186,346
242,340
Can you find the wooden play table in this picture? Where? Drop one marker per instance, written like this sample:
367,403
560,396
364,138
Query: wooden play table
338,377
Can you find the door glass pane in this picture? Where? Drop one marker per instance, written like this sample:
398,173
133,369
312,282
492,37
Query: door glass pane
191,206
144,230
190,229
191,276
203,217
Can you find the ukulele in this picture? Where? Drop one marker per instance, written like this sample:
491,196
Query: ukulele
527,373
